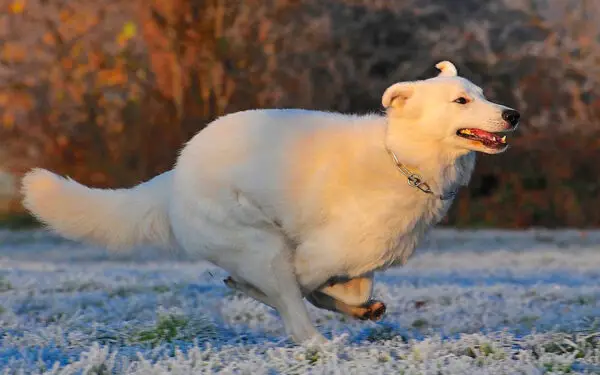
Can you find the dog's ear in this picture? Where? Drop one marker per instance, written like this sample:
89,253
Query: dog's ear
447,69
397,94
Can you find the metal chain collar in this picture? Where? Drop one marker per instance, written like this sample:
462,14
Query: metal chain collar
416,181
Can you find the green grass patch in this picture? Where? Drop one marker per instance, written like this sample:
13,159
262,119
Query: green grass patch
383,333
529,320
74,286
169,328
125,291
18,221
585,300
420,323
5,285
161,289
166,330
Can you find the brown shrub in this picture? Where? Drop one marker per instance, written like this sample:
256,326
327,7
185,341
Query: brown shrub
108,91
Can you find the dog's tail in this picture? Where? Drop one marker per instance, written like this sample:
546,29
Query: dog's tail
116,219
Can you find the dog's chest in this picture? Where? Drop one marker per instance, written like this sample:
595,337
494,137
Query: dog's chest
407,237
390,234
413,218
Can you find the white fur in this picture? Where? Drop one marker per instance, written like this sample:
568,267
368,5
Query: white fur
285,200
117,219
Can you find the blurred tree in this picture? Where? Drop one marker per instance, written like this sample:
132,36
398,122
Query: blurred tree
107,92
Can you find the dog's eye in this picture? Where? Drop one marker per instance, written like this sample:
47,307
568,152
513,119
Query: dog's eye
461,100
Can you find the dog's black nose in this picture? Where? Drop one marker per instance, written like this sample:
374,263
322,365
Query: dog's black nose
511,116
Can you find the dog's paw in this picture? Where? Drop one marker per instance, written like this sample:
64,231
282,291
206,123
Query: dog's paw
230,282
315,341
372,310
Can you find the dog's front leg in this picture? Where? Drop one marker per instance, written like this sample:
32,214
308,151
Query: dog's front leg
352,298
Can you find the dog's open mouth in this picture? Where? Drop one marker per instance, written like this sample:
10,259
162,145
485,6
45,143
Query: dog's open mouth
488,139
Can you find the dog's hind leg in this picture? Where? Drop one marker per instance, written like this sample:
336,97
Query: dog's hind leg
355,291
347,298
371,310
264,265
249,290
352,298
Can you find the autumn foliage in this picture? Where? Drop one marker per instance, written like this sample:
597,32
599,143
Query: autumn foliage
108,91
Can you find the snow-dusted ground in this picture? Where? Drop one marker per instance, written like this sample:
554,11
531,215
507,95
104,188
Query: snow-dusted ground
488,302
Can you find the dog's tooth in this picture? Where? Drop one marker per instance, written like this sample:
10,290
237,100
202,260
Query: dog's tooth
503,139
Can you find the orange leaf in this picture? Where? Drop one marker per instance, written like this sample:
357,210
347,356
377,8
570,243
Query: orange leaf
62,140
67,63
111,77
8,120
64,15
48,38
14,52
17,6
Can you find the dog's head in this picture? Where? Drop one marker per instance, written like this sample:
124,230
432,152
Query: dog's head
451,110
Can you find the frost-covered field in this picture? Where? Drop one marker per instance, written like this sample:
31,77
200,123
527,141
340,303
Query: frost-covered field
487,302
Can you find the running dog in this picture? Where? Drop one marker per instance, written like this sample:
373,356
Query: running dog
298,204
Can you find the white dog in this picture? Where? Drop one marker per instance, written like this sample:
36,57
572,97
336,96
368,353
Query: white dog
295,203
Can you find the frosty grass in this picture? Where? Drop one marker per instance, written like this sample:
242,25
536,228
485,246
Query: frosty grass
485,302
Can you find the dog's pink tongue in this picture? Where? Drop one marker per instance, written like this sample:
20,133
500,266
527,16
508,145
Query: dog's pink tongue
484,135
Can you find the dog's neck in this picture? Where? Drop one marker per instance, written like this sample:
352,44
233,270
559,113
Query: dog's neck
444,167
